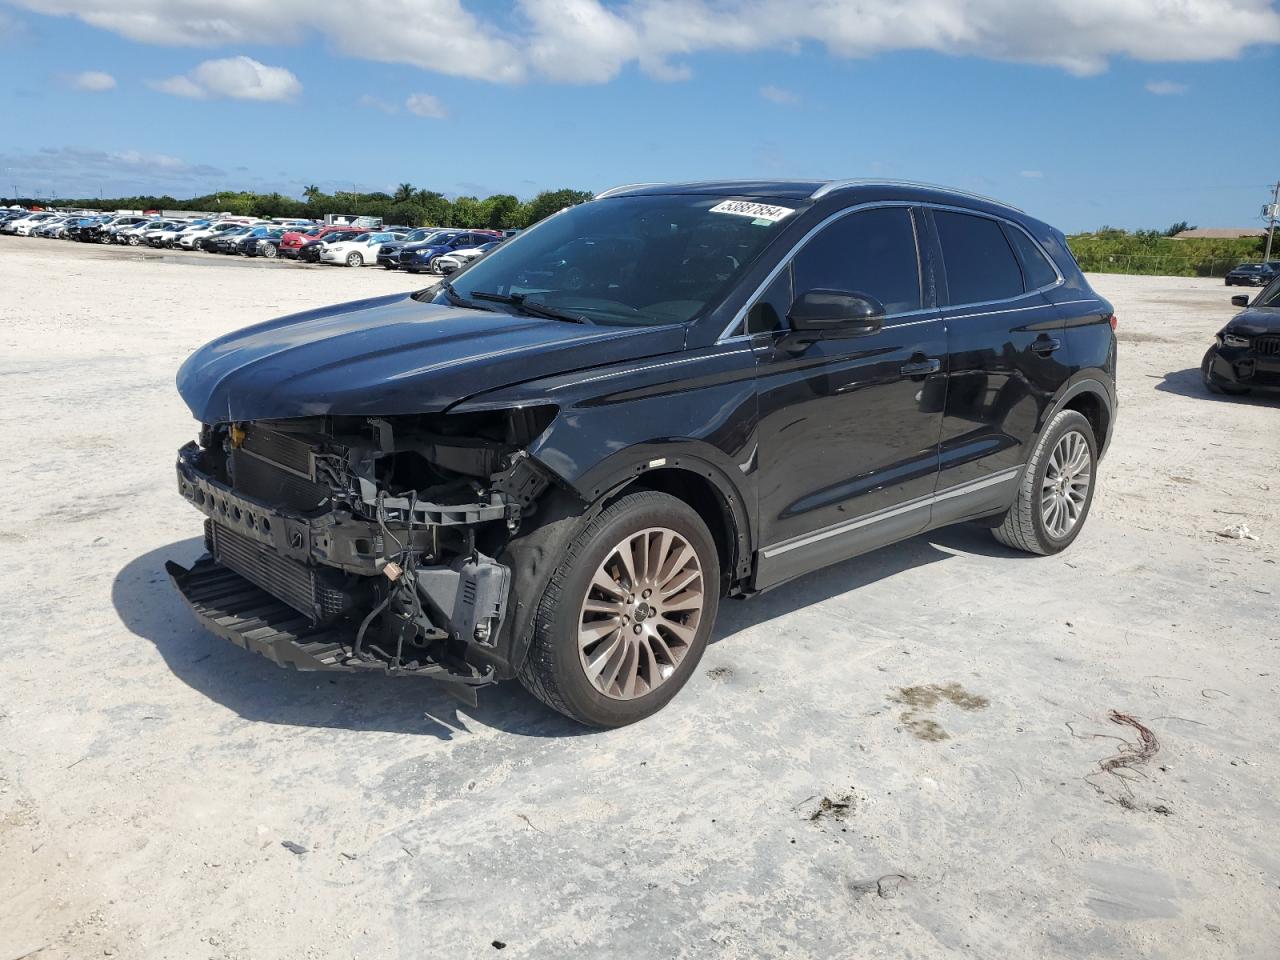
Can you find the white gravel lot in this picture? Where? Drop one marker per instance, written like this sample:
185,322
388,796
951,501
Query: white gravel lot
947,698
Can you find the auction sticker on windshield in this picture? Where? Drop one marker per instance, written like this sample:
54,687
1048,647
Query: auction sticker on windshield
758,211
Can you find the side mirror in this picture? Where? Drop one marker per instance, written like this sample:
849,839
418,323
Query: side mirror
1240,300
835,313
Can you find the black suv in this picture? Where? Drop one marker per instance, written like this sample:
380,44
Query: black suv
555,465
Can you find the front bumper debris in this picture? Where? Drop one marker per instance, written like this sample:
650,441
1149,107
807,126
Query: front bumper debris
233,608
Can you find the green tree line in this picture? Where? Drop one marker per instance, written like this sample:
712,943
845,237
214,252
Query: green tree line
408,205
1156,252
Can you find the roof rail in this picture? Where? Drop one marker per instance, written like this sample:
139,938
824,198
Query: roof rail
626,186
836,185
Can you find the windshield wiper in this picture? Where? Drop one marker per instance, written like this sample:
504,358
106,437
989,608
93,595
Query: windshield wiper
456,298
531,307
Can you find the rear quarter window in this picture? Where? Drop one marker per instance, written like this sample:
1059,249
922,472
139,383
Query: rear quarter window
1037,271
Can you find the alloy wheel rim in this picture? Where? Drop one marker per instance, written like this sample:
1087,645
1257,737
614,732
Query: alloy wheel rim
641,613
1065,489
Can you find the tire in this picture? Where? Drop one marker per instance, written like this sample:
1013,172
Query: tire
1219,388
1025,526
354,259
387,266
555,670
270,251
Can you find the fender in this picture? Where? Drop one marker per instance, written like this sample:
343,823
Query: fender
1085,381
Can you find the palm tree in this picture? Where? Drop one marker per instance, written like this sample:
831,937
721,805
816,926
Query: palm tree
310,190
404,193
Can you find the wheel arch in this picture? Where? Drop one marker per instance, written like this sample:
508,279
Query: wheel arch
1090,398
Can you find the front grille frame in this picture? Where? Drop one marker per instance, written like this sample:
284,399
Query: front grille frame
1267,345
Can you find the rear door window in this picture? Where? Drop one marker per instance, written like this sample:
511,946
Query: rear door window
872,252
980,264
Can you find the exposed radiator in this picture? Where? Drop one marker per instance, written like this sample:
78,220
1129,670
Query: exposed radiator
277,469
286,579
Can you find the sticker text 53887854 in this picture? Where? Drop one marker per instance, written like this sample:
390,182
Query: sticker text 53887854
757,211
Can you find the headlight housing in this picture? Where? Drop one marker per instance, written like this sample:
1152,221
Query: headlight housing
1233,340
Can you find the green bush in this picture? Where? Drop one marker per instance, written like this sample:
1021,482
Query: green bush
1151,252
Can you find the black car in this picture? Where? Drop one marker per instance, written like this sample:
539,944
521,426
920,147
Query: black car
489,479
309,252
267,247
1253,274
1245,354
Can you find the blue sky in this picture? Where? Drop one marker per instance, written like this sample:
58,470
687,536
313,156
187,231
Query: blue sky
1084,112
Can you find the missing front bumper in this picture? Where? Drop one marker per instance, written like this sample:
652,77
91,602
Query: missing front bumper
231,607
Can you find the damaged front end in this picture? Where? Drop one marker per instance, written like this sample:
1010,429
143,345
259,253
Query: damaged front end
357,543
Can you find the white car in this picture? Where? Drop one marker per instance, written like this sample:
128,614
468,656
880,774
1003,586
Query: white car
358,250
132,234
168,235
23,226
452,262
190,239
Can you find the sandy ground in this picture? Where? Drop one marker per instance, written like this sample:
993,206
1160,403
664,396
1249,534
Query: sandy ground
896,757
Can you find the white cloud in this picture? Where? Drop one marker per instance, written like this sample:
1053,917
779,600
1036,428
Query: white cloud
1166,88
1031,174
591,41
779,96
91,81
240,78
374,103
425,105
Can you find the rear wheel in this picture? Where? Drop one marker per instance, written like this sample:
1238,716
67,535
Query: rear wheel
354,259
626,616
1056,489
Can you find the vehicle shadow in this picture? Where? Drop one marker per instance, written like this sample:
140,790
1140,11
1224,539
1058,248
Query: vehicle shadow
1188,383
256,689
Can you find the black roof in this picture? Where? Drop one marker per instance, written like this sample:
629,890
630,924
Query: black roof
807,189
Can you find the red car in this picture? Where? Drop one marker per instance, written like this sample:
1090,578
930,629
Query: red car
292,241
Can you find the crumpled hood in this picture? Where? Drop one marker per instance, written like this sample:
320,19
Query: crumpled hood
1255,321
393,355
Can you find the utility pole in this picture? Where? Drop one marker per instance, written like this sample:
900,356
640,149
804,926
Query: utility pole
1275,209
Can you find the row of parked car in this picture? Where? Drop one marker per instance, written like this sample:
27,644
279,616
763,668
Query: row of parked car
415,250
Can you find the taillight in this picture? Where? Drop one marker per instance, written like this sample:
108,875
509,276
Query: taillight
1114,321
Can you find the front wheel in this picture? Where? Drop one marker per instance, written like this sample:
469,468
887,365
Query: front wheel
626,616
1056,488
355,260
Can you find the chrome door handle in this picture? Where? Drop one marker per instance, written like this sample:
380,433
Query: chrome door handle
921,368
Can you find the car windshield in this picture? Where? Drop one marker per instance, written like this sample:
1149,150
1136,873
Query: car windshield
644,260
1249,267
353,237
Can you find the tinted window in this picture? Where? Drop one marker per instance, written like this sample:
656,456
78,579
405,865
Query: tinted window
872,252
1036,270
979,262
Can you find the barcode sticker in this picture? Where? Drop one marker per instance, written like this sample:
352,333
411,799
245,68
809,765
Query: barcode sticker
757,211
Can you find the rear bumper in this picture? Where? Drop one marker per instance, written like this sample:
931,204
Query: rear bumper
234,609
